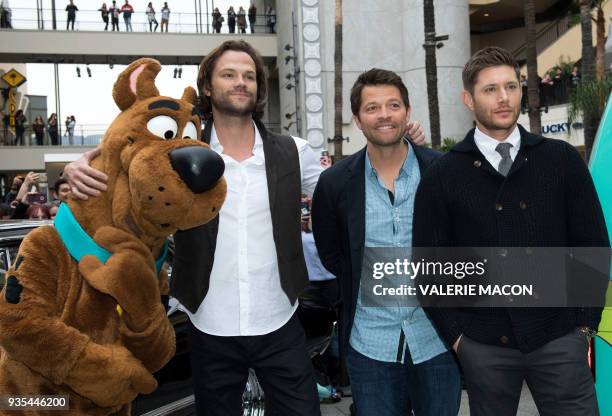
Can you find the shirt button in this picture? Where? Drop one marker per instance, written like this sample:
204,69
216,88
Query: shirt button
499,207
523,205
504,339
477,163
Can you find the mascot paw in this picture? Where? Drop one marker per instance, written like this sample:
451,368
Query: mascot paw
109,376
117,240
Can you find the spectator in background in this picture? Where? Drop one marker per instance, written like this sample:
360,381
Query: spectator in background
39,130
20,203
271,19
241,20
61,190
70,125
71,10
37,212
3,128
127,11
559,86
217,20
52,128
5,16
252,17
104,13
165,17
15,186
525,94
231,20
575,77
114,14
52,208
6,212
20,121
151,17
546,86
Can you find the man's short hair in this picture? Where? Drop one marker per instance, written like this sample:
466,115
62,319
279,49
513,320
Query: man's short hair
486,58
373,77
59,183
208,65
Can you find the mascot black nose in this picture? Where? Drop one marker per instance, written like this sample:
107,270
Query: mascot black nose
199,167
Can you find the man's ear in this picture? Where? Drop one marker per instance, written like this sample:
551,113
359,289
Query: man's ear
468,100
357,122
408,112
136,82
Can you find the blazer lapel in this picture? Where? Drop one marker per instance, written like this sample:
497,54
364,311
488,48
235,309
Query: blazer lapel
356,203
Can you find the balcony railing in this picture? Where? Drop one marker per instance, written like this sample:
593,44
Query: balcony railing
84,135
91,20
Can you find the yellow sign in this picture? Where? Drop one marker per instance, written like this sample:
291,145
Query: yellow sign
12,107
13,78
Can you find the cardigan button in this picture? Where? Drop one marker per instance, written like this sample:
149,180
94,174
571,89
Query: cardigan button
504,339
499,207
523,205
477,163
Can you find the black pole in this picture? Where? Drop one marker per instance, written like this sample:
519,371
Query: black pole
201,29
195,7
431,72
207,17
53,15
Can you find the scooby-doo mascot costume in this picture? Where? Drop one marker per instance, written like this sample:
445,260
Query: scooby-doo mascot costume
80,314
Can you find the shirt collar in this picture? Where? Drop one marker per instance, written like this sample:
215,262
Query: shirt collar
258,154
484,141
410,158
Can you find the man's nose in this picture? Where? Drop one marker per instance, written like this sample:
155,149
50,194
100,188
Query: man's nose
199,167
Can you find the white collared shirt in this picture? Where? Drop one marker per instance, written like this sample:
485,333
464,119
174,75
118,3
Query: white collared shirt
487,144
245,295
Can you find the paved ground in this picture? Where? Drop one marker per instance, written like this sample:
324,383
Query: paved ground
526,406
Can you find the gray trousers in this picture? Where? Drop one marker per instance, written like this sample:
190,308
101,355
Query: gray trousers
557,375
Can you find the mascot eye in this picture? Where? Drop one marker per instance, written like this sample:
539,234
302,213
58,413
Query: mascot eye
163,126
190,131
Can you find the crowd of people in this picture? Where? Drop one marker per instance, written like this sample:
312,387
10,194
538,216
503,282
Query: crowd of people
24,200
23,131
554,88
236,20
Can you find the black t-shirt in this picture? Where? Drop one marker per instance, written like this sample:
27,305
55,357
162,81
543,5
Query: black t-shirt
71,9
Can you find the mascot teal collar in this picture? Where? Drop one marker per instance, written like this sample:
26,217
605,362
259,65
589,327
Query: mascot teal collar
79,243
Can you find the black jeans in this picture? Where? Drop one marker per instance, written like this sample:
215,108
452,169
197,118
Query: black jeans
220,368
557,375
70,20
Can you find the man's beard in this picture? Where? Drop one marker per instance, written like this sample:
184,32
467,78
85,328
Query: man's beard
224,106
489,124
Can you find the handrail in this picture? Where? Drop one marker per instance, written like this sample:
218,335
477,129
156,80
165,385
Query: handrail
546,30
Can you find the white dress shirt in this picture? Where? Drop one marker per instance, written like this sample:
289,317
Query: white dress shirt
487,144
245,295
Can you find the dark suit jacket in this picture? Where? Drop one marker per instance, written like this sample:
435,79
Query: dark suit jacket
547,200
338,222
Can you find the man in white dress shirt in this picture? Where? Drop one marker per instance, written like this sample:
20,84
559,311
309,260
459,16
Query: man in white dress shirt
239,276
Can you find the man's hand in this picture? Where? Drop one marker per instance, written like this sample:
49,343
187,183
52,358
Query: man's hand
415,132
456,344
84,180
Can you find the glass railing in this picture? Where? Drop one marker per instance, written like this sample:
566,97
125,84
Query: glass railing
83,135
91,20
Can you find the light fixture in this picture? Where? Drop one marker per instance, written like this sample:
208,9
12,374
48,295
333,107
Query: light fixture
88,71
288,47
486,15
289,115
180,72
78,71
289,86
287,127
288,58
175,72
289,76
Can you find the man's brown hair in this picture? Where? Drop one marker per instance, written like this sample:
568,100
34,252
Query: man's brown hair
486,58
373,77
208,65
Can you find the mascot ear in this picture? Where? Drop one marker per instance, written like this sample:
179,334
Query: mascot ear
190,95
136,82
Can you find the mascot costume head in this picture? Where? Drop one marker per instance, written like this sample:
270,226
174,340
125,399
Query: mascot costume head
80,313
